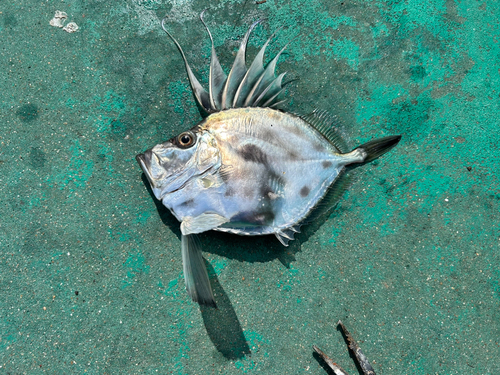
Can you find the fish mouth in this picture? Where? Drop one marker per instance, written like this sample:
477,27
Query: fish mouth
144,160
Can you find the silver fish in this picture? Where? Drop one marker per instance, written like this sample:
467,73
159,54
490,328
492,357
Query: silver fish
247,168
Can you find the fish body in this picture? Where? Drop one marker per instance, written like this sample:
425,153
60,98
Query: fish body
247,168
260,169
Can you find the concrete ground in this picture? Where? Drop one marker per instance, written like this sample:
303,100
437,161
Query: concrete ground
90,266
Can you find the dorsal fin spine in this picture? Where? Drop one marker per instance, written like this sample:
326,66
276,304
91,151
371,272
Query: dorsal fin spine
237,71
273,90
258,66
248,100
242,87
253,75
217,76
267,77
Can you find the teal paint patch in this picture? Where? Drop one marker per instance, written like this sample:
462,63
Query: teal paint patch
108,113
78,171
344,49
334,22
7,335
135,265
292,278
173,288
112,109
394,109
409,15
218,264
322,41
71,103
92,29
257,343
112,102
367,110
380,29
180,97
142,217
150,4
321,273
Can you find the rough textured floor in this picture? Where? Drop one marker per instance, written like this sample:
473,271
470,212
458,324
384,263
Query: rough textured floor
90,266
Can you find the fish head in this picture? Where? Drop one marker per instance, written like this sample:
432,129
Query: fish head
170,165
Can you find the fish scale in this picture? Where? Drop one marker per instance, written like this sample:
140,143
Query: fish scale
247,168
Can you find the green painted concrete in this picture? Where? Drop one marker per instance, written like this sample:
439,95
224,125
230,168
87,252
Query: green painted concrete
90,266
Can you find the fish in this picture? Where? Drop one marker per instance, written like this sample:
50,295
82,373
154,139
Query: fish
248,167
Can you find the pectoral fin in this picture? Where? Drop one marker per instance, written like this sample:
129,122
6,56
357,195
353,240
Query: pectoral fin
195,271
202,223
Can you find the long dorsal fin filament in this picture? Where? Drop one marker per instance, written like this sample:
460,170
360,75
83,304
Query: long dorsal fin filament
199,92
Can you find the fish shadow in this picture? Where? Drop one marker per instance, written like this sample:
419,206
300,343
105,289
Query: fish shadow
222,324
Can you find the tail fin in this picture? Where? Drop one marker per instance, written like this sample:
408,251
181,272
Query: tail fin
378,147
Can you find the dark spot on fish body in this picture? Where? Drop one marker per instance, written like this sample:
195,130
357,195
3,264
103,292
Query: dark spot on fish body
319,147
297,131
253,153
268,135
261,218
27,112
326,164
248,192
304,192
229,192
293,155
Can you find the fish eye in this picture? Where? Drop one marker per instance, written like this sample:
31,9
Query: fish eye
186,139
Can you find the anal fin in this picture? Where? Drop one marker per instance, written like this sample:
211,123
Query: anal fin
286,235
